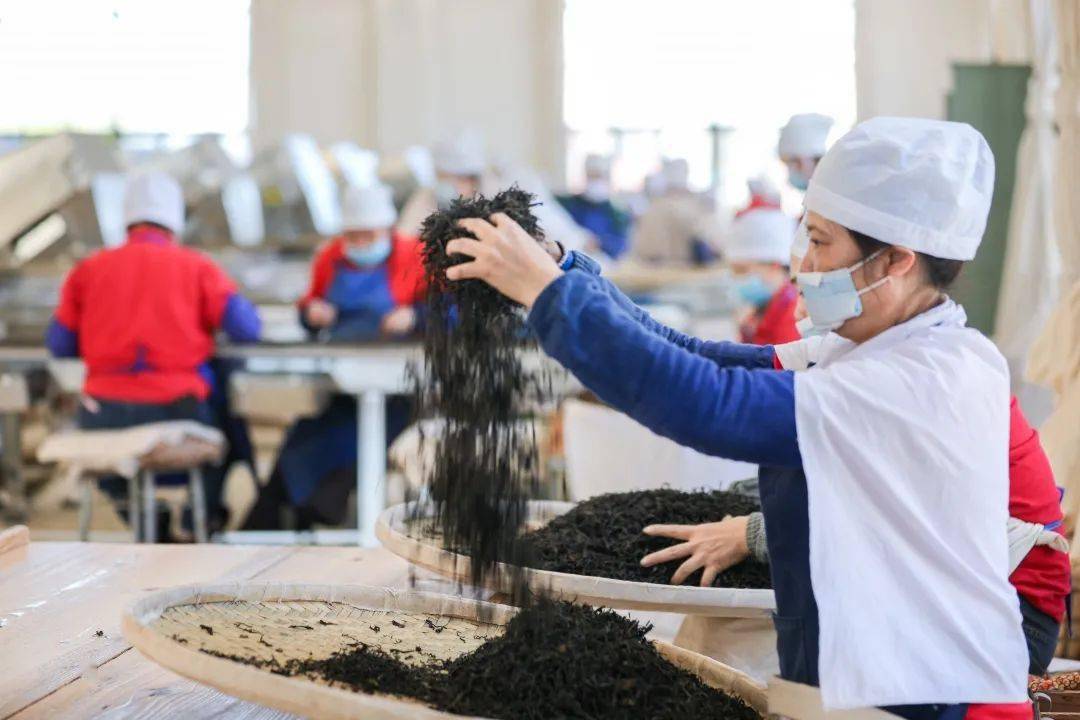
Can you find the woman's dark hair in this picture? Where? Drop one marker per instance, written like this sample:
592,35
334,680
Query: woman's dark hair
940,272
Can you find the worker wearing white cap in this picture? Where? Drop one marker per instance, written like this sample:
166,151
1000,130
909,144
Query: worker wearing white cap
367,285
460,163
802,143
365,282
594,211
757,252
678,225
883,469
143,317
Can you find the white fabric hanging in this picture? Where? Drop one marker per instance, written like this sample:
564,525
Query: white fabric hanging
1029,286
904,441
1054,360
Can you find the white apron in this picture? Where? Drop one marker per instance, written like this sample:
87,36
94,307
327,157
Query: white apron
904,441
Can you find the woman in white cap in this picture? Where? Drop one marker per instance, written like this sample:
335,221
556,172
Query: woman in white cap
368,281
460,165
802,143
366,285
758,251
883,469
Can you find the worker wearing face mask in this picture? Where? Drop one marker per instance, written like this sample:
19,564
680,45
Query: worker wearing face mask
802,143
593,209
884,469
143,317
757,251
366,283
460,165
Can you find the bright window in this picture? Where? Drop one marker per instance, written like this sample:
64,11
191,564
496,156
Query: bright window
645,79
132,66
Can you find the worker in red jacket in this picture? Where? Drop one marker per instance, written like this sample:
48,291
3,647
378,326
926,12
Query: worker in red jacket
143,317
367,284
758,252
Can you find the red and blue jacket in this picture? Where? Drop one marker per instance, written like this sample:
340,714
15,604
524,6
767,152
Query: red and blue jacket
143,318
364,295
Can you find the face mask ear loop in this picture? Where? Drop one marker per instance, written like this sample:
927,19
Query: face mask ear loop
877,283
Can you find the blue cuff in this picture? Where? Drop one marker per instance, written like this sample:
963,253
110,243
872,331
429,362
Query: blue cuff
240,321
61,341
576,260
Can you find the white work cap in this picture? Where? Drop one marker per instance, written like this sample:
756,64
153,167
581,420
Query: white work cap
597,164
805,135
921,184
359,166
763,234
154,197
676,172
460,155
367,208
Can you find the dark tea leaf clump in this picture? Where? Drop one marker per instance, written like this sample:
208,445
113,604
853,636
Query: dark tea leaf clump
486,464
602,536
555,660
563,660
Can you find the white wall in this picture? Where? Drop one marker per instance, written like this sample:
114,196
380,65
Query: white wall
904,49
390,73
311,69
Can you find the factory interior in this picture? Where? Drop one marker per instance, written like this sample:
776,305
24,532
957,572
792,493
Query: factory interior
270,301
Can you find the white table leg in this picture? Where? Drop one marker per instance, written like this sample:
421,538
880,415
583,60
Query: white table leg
371,468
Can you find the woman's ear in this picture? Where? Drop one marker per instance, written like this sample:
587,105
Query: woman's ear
902,261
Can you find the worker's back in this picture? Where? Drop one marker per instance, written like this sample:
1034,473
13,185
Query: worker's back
145,315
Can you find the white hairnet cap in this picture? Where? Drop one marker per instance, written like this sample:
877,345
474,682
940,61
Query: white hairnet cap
154,197
805,135
676,172
460,155
367,208
762,234
921,184
597,164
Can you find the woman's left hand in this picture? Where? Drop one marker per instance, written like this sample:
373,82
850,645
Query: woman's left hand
713,547
505,257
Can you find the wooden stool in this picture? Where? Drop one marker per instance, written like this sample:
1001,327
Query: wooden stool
89,454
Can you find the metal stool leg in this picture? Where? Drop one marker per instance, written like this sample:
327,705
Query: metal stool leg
134,509
198,504
149,507
84,506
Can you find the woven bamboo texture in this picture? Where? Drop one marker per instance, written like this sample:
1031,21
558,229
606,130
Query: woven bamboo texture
281,622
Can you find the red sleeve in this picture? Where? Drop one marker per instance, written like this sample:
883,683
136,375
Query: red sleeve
1033,495
216,288
406,270
69,311
777,325
322,272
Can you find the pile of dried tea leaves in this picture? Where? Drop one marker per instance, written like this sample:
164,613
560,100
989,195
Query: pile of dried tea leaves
602,536
555,660
558,659
485,461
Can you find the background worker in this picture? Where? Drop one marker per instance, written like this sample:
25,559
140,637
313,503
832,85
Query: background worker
143,317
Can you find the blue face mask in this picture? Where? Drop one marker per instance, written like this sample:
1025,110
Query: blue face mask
798,179
372,254
754,291
831,297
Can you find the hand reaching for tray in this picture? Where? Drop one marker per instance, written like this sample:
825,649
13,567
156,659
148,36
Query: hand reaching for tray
711,547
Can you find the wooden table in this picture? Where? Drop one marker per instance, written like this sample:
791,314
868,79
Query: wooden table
55,597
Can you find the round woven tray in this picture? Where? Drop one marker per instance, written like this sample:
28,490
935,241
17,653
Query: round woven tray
173,627
403,532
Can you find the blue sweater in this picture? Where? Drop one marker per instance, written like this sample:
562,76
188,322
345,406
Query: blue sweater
720,398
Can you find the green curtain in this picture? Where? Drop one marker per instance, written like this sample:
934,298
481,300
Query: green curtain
990,98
